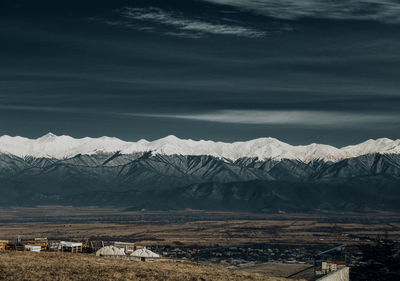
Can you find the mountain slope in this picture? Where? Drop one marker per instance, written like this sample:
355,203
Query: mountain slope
158,181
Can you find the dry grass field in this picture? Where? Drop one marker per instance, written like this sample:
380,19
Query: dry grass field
282,270
67,266
194,227
274,269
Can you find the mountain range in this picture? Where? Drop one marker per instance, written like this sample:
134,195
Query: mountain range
261,175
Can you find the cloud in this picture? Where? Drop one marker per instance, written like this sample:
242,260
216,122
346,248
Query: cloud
283,117
55,109
386,11
187,27
39,108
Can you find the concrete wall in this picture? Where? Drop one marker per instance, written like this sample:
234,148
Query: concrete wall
338,275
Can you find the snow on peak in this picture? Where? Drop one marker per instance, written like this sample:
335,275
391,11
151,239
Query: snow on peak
54,146
47,137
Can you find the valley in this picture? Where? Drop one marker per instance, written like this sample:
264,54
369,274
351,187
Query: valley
199,228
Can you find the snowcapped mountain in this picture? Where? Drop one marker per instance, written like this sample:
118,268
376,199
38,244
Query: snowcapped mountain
61,147
260,175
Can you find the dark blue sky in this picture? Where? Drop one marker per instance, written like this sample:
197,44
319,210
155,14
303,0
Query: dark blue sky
301,71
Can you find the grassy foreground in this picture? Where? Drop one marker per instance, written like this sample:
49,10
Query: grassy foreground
67,266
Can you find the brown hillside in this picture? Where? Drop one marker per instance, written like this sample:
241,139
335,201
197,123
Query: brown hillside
67,266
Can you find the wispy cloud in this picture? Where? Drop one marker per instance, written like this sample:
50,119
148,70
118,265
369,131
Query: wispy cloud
39,108
282,117
55,109
387,11
188,27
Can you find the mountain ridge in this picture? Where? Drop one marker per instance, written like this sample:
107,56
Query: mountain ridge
61,147
156,181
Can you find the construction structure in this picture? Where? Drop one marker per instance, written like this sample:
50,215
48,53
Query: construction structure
73,247
116,249
31,248
126,247
54,246
42,242
342,274
109,251
12,246
144,254
329,261
85,243
3,244
96,245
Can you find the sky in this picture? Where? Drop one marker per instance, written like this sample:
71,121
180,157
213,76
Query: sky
302,71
